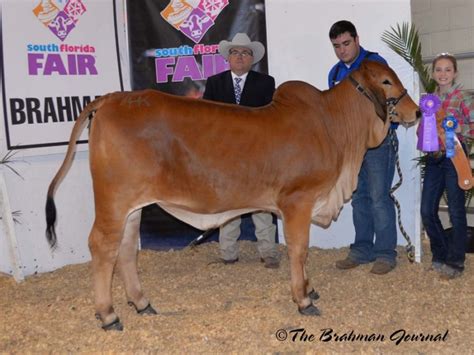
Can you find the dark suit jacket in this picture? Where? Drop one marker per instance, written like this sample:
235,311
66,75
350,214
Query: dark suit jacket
258,89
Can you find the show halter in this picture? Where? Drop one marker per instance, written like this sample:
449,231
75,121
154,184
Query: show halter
391,102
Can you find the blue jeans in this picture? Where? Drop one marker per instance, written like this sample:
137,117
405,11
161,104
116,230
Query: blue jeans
373,210
440,174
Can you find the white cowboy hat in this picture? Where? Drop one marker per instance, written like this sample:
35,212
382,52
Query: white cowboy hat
242,40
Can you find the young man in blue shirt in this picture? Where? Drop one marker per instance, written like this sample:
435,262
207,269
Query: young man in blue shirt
373,209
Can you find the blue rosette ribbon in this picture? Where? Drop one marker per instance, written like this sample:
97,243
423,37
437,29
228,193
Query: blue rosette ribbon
450,124
428,133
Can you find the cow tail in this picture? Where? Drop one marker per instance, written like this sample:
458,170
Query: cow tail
79,126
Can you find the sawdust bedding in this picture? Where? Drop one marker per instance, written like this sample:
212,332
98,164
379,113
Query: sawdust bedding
208,307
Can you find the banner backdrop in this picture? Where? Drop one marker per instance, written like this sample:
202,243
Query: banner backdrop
173,44
174,48
56,56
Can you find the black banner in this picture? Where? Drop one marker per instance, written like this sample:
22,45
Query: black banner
173,44
174,48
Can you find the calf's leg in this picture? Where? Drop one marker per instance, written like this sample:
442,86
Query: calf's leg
309,289
127,265
297,220
104,247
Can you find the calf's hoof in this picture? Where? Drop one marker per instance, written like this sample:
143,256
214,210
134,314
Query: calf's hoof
115,325
147,310
310,310
313,295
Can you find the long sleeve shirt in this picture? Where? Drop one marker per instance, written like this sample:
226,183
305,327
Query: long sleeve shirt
459,104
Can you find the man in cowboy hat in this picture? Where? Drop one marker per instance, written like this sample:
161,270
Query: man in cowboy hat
243,86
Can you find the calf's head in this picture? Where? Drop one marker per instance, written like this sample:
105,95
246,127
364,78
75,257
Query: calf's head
383,87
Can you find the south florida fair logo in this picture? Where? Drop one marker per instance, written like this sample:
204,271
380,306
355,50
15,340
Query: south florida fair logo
60,16
193,17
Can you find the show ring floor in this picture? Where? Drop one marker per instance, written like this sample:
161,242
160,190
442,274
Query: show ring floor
207,307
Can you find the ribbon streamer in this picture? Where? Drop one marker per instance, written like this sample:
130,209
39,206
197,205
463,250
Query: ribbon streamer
428,134
450,124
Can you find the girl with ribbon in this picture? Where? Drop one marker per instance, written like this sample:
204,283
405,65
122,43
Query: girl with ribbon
440,173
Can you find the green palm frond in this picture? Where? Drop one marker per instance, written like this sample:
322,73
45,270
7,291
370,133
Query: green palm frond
7,160
405,41
16,216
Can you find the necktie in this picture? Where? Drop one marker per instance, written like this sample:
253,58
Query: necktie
237,89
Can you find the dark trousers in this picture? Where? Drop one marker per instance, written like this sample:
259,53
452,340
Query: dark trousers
440,175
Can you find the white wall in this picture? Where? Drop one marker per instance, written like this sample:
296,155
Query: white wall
299,49
74,201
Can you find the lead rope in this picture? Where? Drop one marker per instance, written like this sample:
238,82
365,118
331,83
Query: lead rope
410,249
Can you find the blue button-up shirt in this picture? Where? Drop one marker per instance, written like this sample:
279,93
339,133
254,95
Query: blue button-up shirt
340,71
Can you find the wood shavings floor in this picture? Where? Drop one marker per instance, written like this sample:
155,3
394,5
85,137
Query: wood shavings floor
208,307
